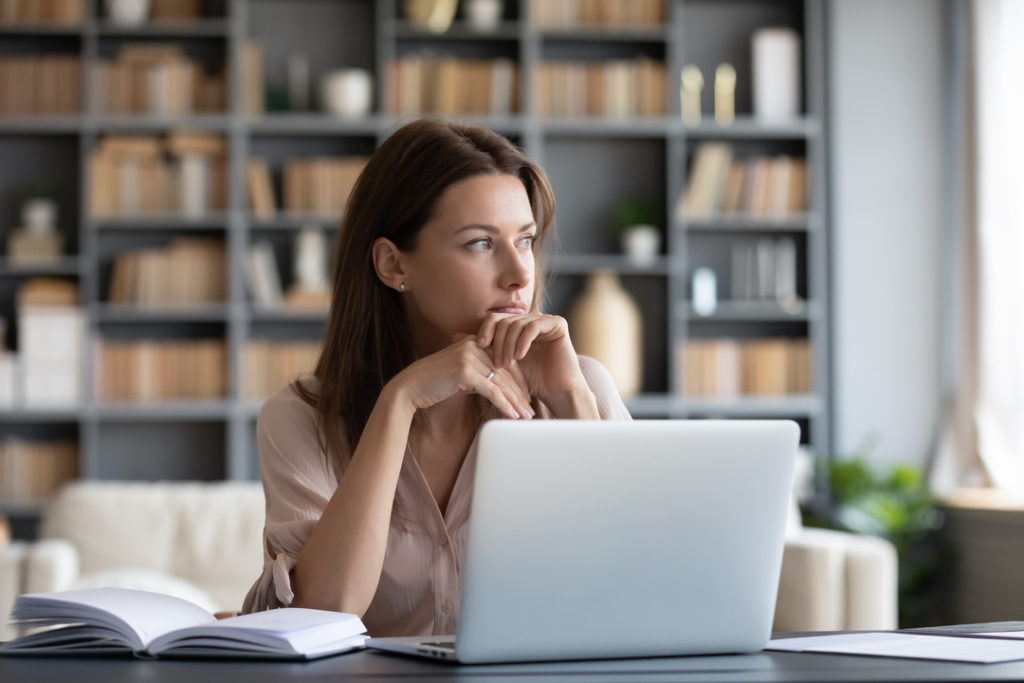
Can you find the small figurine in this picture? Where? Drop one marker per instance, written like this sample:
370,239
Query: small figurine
691,83
725,94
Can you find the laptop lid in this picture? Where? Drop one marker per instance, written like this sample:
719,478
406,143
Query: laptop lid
624,539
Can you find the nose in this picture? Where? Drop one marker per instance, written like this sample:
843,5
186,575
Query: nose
517,269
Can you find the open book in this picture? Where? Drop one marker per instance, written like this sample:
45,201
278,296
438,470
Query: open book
112,620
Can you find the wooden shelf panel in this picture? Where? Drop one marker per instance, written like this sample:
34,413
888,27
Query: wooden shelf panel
192,28
71,266
657,33
582,264
160,411
753,311
41,124
729,224
747,127
128,313
151,123
459,31
213,221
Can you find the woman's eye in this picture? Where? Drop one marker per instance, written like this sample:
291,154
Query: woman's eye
527,240
481,244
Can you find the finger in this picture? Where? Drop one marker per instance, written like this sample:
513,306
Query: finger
485,334
494,393
498,334
505,335
514,392
476,373
526,338
516,373
459,336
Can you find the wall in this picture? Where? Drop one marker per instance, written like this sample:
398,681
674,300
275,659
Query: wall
886,101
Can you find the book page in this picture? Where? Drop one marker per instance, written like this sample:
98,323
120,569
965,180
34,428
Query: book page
285,630
138,616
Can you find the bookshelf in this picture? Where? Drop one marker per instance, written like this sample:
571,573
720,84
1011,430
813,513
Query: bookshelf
593,162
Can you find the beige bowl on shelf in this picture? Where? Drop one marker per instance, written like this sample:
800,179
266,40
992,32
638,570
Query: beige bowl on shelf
431,15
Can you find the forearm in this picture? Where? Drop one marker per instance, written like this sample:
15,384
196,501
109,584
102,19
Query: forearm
339,567
577,403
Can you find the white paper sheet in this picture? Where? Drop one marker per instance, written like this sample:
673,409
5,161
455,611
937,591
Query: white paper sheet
915,646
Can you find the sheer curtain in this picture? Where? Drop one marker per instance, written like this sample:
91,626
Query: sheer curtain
983,435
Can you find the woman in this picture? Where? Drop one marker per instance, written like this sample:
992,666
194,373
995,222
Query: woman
434,327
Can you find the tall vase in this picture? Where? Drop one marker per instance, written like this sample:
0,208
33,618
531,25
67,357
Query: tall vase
605,324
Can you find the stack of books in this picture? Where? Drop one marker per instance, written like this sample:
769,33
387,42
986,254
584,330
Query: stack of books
44,84
567,15
158,80
449,85
136,176
620,88
268,365
51,337
174,10
729,368
187,272
45,12
162,370
320,186
761,187
33,470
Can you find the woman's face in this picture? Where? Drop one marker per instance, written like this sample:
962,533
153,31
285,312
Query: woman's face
473,257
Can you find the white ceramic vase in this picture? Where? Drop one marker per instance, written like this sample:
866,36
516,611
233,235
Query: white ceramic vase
347,93
641,244
605,324
775,73
39,216
484,16
128,12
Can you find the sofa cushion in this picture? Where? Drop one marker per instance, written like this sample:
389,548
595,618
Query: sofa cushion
142,579
208,533
219,540
115,524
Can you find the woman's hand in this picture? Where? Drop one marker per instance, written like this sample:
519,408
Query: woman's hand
463,368
537,348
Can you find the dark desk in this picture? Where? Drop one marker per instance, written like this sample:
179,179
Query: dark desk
767,666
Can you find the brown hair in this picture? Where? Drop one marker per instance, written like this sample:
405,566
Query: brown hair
367,340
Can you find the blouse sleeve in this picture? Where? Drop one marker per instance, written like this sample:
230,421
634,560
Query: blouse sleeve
297,483
609,403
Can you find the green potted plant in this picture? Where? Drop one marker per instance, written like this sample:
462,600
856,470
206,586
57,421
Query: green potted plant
896,505
635,220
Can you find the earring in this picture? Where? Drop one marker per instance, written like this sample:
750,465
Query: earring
401,287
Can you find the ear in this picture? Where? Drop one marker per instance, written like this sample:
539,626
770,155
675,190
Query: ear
387,261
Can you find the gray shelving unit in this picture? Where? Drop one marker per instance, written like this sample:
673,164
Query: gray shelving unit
592,164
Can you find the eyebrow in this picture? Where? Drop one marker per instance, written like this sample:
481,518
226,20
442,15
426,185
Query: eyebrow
492,229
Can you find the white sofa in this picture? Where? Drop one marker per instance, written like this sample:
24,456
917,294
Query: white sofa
202,542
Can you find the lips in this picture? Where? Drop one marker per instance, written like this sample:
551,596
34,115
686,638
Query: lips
517,309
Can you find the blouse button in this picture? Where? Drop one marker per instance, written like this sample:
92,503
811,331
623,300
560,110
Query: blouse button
444,542
447,607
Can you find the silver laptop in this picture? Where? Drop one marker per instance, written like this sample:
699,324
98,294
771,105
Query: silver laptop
620,539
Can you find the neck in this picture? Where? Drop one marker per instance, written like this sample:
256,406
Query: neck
449,417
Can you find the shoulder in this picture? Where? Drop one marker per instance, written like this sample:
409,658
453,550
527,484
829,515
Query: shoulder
289,440
286,411
609,403
597,376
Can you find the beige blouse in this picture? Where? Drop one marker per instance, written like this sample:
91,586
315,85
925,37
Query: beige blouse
418,593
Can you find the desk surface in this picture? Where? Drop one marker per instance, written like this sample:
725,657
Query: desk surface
765,666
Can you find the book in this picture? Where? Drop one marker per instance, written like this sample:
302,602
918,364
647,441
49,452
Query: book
120,620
